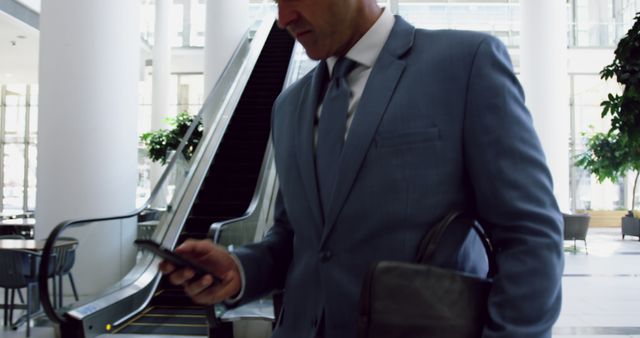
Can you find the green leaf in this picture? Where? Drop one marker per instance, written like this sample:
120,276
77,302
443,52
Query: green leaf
160,142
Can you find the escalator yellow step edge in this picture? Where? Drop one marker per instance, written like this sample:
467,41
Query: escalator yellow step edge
133,319
145,314
167,325
175,316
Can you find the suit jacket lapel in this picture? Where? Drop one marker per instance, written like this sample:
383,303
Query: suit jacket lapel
378,91
307,111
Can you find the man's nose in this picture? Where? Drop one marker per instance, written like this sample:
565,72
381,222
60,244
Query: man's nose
286,14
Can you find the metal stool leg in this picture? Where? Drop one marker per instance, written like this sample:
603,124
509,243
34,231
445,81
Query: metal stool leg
73,287
29,305
585,247
20,296
12,305
59,293
6,306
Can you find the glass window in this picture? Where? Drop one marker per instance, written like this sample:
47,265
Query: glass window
147,20
13,177
15,110
177,22
588,91
173,93
190,92
18,159
31,175
593,23
198,18
500,19
33,111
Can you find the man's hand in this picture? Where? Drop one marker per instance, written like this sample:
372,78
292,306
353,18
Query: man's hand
218,260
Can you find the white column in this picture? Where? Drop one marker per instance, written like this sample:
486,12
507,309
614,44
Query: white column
87,142
226,25
160,100
543,67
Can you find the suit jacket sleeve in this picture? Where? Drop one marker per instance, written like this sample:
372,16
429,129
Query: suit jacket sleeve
514,199
266,263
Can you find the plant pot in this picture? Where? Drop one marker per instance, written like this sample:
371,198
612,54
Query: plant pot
630,226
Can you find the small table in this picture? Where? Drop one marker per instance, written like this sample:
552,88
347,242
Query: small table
18,226
32,244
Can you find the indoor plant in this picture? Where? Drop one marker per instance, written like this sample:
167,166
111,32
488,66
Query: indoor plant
613,154
160,143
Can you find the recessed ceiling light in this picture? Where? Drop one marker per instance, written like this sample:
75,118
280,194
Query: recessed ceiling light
21,37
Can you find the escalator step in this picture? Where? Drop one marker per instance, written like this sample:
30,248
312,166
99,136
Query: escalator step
162,329
168,320
172,319
186,311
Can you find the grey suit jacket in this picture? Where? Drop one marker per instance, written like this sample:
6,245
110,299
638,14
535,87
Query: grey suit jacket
441,124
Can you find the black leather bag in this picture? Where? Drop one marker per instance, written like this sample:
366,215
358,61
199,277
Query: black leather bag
408,300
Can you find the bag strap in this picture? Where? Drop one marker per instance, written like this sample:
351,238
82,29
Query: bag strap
432,239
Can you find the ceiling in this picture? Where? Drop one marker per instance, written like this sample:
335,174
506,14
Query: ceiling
19,45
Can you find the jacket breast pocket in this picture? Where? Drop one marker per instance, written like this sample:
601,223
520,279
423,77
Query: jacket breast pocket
407,138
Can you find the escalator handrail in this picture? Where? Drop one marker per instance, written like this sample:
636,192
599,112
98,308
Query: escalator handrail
45,260
62,226
216,229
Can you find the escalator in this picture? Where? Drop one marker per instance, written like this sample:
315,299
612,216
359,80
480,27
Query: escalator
227,189
221,184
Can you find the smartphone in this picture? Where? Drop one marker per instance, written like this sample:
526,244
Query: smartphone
174,258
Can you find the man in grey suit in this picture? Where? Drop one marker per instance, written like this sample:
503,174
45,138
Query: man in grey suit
435,121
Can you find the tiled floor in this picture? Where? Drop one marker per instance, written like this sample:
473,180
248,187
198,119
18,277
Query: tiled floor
601,291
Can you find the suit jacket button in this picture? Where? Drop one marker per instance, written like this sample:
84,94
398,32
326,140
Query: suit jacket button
325,256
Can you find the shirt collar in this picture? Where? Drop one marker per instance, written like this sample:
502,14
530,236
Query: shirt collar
365,52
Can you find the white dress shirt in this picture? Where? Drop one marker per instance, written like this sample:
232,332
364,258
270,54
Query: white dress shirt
365,52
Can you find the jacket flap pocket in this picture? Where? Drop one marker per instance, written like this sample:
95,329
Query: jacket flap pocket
408,138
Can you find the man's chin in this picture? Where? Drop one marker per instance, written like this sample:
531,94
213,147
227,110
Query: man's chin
315,55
